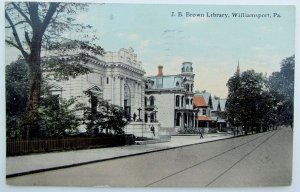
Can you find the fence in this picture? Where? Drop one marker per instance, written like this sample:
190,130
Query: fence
18,147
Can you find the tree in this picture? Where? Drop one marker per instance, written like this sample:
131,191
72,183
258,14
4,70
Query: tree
58,117
33,27
232,103
250,103
16,84
104,116
282,84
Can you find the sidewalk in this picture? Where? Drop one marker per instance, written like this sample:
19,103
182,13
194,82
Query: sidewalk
21,165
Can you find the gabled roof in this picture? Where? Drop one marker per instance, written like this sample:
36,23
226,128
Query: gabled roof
215,103
222,104
54,87
199,101
205,95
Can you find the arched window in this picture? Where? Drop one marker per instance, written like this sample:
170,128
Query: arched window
187,86
152,117
146,100
146,117
187,69
151,100
127,102
192,87
177,101
107,80
187,101
182,101
177,84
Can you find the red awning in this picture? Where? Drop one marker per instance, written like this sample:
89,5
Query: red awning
203,118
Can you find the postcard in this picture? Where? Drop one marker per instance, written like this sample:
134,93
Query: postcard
149,95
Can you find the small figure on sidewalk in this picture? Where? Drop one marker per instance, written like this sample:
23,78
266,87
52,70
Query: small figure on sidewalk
153,130
201,133
134,116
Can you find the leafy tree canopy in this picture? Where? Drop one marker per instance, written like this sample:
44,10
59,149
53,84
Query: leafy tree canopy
36,27
282,84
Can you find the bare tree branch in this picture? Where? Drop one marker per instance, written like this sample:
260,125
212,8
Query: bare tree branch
27,38
16,36
13,44
18,23
52,9
21,12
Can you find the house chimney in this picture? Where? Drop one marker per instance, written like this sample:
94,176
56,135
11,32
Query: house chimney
160,70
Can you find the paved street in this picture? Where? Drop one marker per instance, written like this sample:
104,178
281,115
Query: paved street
256,160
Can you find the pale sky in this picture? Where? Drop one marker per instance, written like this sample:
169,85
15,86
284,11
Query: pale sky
214,45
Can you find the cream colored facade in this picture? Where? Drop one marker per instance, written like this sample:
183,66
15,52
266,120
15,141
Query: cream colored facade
117,77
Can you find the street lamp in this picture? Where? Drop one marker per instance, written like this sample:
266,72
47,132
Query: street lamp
139,109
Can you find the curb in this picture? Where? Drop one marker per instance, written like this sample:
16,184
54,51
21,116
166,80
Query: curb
107,159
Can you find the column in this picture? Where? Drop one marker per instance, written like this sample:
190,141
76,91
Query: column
112,81
188,120
181,120
122,83
117,92
142,101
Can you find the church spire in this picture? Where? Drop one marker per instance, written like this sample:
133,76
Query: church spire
238,68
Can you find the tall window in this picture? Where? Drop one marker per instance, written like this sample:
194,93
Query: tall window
177,101
94,103
187,101
127,102
178,115
152,117
182,101
55,93
187,86
54,101
107,80
151,101
146,100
